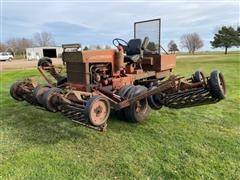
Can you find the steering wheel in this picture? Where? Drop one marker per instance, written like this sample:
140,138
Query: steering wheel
120,42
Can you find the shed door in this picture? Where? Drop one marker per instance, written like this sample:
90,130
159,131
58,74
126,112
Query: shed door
52,53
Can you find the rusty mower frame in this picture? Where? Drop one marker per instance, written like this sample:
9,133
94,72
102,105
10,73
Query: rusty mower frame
132,79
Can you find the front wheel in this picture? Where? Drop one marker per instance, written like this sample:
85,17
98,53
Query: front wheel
198,77
217,85
97,110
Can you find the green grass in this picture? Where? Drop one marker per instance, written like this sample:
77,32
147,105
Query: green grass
208,53
195,143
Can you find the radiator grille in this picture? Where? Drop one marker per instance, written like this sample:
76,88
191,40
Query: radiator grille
72,56
76,72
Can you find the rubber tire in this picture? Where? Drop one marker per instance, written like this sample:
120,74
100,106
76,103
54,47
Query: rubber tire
13,89
153,101
46,99
125,93
89,106
44,61
122,93
198,76
215,85
130,113
39,97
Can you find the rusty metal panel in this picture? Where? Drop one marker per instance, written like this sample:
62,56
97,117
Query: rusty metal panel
96,56
142,75
153,64
90,56
159,63
147,61
76,72
168,62
123,81
163,74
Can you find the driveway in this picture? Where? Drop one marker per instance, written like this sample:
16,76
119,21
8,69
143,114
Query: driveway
24,64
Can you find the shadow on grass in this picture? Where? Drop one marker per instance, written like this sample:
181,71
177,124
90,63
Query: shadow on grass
118,123
35,125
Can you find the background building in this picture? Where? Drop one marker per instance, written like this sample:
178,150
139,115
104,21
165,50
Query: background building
36,53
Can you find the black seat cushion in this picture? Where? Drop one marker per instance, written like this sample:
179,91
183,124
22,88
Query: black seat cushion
133,50
134,47
132,58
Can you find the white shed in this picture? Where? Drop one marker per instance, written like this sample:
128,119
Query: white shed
35,53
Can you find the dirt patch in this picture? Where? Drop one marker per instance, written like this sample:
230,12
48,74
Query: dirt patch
24,64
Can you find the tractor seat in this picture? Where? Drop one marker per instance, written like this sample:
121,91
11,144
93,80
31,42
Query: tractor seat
132,59
134,50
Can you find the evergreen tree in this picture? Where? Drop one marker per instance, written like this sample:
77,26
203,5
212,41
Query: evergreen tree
85,48
172,47
226,37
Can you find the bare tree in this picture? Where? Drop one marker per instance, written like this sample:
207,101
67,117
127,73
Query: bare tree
192,42
18,45
3,46
85,48
43,39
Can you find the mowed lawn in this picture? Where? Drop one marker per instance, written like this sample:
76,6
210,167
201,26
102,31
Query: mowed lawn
200,142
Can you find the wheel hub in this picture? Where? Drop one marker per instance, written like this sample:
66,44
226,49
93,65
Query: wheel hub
98,110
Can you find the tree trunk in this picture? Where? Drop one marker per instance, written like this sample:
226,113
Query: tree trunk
225,50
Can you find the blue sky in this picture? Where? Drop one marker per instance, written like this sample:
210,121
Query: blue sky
99,22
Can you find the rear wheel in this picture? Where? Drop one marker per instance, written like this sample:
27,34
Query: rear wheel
155,101
14,91
38,93
198,77
138,110
217,85
123,92
97,110
44,62
50,100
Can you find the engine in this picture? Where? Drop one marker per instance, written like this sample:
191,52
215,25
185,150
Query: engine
100,73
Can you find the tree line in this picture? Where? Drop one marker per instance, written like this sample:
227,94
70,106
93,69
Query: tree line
17,46
226,37
95,47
